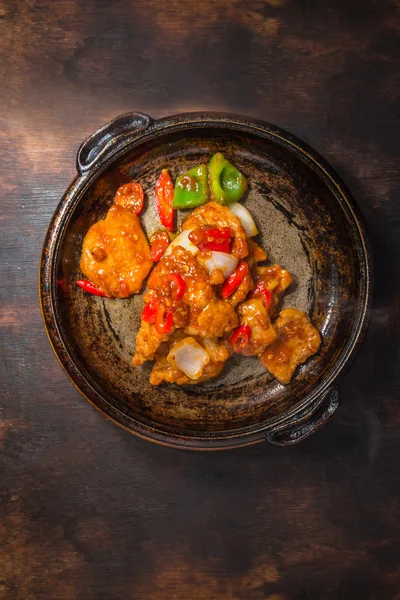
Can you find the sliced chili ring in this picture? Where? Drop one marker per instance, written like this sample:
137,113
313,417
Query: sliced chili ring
240,338
175,284
163,321
212,238
149,312
131,197
262,290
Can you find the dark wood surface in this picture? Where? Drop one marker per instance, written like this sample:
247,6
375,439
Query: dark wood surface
88,511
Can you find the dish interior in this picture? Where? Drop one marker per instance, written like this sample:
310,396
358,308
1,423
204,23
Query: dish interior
302,227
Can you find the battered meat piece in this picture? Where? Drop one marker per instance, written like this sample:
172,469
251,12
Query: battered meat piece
298,340
240,294
163,371
277,280
182,287
217,318
199,311
147,343
219,216
116,254
199,291
256,255
254,314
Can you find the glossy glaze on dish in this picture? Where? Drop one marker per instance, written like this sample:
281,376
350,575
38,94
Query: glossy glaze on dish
116,254
231,319
313,229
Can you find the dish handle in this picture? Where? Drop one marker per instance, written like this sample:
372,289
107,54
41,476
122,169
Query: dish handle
109,138
309,420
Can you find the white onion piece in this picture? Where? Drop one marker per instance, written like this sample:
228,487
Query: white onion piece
245,218
183,240
189,357
227,263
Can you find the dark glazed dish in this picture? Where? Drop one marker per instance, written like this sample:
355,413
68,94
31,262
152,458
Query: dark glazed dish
307,221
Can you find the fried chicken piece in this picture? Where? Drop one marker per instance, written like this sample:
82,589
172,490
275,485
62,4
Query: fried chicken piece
199,311
116,254
298,340
147,343
275,277
164,371
199,292
254,314
217,318
219,216
277,280
256,255
241,292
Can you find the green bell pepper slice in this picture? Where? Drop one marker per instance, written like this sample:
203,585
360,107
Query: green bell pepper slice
191,188
226,182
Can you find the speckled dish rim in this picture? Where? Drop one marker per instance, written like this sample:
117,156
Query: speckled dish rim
299,414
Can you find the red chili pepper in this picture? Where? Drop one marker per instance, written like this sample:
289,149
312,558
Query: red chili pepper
164,320
218,247
262,290
88,286
131,197
175,283
240,338
233,281
164,194
218,239
149,312
159,243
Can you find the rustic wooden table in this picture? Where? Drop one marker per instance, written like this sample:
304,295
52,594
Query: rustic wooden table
88,511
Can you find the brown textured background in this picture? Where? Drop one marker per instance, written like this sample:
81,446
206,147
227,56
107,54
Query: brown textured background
89,512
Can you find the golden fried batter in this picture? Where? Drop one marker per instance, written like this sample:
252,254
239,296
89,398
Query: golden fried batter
256,255
163,371
197,296
199,311
275,277
217,318
277,280
241,292
198,292
254,314
182,290
116,254
298,340
220,216
147,343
